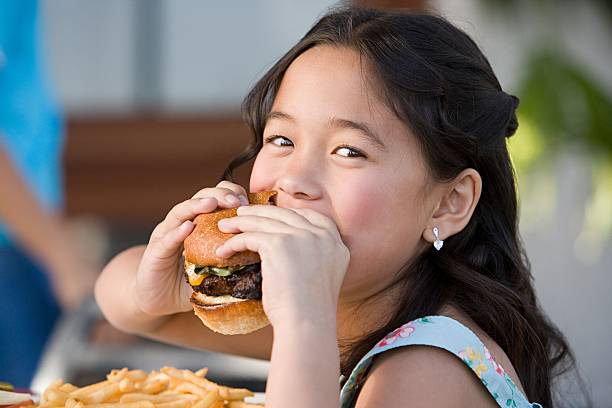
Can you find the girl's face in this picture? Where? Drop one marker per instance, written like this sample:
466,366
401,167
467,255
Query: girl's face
332,146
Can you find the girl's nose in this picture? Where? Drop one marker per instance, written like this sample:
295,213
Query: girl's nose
300,180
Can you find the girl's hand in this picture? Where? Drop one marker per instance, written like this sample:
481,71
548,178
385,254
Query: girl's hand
160,287
303,260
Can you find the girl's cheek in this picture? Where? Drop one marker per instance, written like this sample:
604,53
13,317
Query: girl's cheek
357,206
262,177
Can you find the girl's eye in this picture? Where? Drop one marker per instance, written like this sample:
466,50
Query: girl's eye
350,152
278,140
347,151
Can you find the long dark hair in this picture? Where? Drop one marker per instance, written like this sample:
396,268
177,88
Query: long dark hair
438,82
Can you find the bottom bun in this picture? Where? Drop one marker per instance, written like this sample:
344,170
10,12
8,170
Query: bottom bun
229,315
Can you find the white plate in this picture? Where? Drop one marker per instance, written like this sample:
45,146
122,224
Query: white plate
259,398
10,398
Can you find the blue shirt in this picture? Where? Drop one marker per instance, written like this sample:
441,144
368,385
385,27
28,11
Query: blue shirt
31,131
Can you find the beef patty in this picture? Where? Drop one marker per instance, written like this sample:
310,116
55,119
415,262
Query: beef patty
243,284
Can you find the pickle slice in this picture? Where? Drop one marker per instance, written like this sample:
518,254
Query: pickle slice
213,270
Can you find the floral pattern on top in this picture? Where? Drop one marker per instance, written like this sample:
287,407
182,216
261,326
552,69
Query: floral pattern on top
402,332
498,368
446,333
474,360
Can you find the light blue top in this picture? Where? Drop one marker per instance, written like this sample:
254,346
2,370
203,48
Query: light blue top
30,128
450,335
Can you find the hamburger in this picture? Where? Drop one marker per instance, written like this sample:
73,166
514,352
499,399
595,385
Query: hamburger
226,292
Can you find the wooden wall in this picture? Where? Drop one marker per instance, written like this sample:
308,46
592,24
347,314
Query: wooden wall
133,169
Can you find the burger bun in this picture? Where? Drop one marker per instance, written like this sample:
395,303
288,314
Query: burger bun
229,315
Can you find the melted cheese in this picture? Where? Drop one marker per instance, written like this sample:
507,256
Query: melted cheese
194,278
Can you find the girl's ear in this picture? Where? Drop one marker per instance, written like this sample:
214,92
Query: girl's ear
455,206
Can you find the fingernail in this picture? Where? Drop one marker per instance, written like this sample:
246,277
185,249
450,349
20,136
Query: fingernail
244,200
219,251
232,200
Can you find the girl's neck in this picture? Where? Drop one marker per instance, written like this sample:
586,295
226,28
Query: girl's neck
357,318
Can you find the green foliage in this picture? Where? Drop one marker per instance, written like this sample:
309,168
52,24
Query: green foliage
564,104
561,107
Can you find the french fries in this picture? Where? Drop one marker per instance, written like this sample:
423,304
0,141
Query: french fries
169,387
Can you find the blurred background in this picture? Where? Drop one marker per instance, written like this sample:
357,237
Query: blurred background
150,92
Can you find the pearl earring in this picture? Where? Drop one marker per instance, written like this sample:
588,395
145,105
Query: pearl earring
438,242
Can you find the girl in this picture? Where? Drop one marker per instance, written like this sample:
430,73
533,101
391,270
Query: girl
392,256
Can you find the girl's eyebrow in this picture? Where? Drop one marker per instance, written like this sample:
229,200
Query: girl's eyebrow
364,130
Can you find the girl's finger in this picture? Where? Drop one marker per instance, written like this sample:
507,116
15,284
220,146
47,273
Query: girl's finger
170,244
287,215
318,219
254,223
251,241
226,197
187,210
237,189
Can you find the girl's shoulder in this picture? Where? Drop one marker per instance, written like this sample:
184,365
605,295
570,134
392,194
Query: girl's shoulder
450,346
420,376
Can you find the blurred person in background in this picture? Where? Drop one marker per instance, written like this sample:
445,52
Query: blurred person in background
40,272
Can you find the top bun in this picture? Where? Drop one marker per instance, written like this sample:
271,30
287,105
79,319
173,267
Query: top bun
201,244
